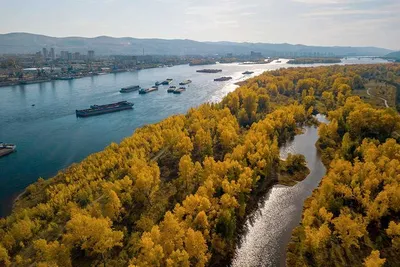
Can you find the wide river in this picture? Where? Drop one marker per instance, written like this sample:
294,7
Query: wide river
49,137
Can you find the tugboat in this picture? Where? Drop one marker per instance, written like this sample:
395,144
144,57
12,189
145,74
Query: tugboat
166,82
180,90
148,90
248,72
222,79
171,89
6,149
130,89
209,71
103,109
185,82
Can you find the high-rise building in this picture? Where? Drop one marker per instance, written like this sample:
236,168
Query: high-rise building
45,53
52,54
69,55
90,54
77,56
64,55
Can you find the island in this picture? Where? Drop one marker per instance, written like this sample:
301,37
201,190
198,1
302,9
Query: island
312,60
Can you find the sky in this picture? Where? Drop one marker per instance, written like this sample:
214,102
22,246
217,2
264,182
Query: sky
309,22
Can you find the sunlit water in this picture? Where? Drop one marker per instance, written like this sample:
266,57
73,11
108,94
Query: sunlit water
270,227
49,137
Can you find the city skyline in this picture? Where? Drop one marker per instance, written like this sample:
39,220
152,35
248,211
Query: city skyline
309,22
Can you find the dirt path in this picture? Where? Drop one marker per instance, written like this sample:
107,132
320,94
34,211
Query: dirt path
384,100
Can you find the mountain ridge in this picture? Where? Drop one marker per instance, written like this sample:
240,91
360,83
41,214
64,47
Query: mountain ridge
21,42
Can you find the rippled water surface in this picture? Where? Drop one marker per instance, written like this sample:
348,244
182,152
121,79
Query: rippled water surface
49,137
270,227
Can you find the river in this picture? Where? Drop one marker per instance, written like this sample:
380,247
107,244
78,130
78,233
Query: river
49,137
269,228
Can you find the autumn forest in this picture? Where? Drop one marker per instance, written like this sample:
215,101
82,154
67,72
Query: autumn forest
176,193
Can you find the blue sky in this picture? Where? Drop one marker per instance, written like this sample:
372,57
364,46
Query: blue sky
311,22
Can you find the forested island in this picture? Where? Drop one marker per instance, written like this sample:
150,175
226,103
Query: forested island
312,60
176,192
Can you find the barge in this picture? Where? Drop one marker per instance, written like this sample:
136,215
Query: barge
129,89
103,109
185,82
6,149
222,79
148,90
209,71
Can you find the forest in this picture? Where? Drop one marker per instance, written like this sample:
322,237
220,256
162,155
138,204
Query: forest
175,193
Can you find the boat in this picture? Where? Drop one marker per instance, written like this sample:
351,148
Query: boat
148,90
180,90
209,71
130,89
278,61
185,82
171,89
222,79
248,72
166,82
6,149
157,84
103,109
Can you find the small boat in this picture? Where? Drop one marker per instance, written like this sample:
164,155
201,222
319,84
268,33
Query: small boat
185,82
129,89
171,89
103,109
222,79
166,82
33,105
248,72
180,90
6,149
157,83
148,90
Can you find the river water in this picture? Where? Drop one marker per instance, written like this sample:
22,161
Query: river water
270,227
49,137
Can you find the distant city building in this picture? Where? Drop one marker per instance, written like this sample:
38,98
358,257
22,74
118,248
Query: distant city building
69,56
255,54
76,56
45,53
64,55
39,54
144,59
90,54
52,54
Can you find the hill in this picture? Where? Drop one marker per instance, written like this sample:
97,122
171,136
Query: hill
394,55
103,45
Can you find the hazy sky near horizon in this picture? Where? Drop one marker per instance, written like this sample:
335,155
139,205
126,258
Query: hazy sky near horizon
310,22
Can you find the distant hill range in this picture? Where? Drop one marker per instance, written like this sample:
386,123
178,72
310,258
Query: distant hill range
394,55
18,43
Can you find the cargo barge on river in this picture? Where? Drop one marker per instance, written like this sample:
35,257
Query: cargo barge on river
130,89
209,71
222,79
103,109
148,90
6,149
